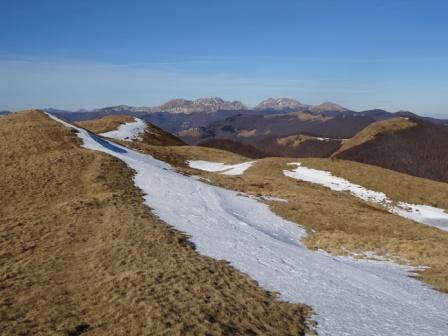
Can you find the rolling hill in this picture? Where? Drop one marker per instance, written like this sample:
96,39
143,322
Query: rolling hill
299,145
236,147
299,134
409,145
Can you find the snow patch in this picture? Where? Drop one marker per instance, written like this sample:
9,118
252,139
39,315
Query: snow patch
350,297
236,169
424,214
128,131
275,199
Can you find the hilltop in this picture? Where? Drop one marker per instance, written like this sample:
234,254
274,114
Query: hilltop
148,133
409,145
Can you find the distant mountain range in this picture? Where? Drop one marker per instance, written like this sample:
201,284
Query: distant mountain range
215,104
179,105
287,127
207,105
184,117
281,104
292,105
401,141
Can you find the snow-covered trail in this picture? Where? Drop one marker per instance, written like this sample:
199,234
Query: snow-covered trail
424,214
349,297
128,131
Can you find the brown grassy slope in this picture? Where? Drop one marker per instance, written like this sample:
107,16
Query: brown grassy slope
153,135
298,145
105,124
338,222
77,247
371,131
419,150
157,137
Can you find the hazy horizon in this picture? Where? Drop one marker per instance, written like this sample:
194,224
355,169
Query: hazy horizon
250,106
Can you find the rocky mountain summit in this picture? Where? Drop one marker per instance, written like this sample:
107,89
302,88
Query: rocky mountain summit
327,107
215,104
207,105
292,105
281,104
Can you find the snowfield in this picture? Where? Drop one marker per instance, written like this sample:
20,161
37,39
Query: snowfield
128,131
424,214
236,169
349,297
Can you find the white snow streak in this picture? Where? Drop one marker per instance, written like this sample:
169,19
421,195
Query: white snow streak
236,169
424,214
350,297
275,199
128,131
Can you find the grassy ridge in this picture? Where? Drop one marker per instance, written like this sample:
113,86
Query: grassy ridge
79,251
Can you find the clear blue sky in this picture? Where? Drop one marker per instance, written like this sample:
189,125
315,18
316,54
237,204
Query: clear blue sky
362,54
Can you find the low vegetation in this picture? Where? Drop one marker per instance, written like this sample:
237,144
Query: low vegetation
379,127
408,145
237,147
79,253
105,124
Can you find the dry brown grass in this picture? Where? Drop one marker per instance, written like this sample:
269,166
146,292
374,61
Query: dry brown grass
105,124
371,131
310,117
191,132
293,140
338,222
178,155
78,247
